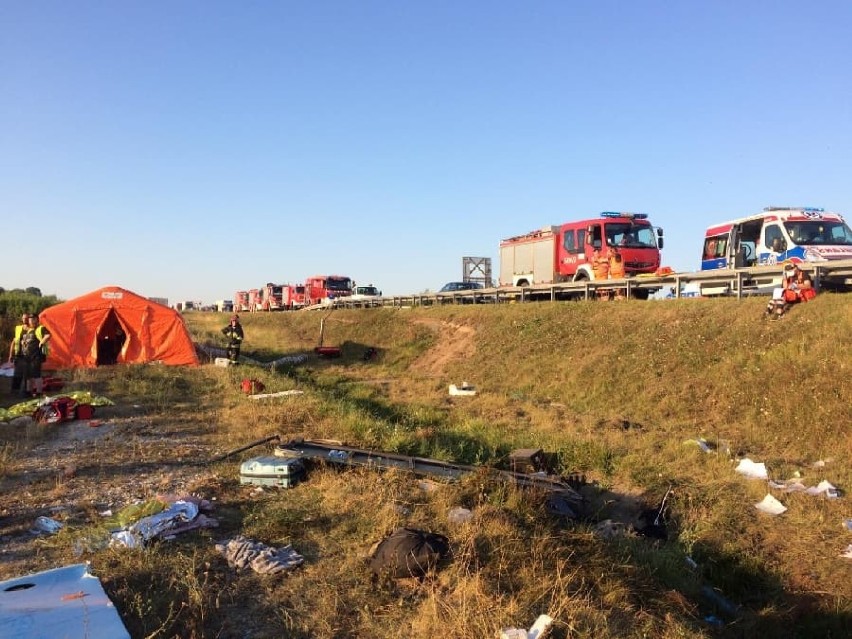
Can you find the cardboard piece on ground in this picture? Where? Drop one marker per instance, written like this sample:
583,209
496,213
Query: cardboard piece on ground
66,602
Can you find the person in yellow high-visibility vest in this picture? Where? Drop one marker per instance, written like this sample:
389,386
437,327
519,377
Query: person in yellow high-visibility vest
34,351
15,353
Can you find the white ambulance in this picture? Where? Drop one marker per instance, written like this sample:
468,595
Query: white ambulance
800,235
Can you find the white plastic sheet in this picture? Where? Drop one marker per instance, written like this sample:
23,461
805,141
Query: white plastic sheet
66,602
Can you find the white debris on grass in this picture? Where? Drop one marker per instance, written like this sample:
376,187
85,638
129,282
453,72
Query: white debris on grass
752,470
770,506
463,390
536,631
287,393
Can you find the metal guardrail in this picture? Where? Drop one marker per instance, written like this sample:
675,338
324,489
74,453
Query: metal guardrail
734,282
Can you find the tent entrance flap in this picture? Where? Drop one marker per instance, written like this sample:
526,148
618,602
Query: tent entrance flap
111,340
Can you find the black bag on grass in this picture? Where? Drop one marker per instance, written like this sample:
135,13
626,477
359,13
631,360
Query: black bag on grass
409,552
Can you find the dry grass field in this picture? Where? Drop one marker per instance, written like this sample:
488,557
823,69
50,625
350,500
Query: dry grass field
617,392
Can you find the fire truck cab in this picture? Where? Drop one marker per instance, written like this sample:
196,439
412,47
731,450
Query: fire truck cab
320,288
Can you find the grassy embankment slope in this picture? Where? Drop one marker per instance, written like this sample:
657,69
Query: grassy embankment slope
615,389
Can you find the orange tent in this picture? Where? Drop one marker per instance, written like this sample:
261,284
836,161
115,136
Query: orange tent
115,326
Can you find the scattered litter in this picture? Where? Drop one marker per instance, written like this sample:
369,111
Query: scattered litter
536,631
789,486
106,513
459,515
464,389
770,506
47,525
848,524
847,554
179,516
222,362
693,565
242,553
62,602
703,444
824,488
287,393
408,552
752,469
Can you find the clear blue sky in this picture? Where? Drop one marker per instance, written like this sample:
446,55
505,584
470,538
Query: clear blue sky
189,149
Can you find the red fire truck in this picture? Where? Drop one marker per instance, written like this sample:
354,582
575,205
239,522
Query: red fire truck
564,253
255,300
293,296
326,287
272,297
241,302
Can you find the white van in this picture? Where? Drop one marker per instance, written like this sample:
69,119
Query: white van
805,235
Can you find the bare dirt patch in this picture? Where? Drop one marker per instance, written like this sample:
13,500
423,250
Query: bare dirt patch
454,342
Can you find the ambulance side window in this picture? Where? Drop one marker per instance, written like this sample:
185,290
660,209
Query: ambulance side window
775,239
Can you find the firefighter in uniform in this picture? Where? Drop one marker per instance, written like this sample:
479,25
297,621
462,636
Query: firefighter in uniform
234,332
15,353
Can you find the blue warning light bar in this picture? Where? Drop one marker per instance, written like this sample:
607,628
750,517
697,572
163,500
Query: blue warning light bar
632,216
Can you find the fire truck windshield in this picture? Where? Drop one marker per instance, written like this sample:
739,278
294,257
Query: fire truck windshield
341,284
819,232
629,235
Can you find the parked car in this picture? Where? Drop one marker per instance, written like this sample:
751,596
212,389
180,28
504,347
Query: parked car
451,287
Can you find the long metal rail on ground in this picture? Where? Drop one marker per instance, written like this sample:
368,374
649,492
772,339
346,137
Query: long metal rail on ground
338,454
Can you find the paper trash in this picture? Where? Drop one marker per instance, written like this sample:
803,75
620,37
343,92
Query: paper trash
752,469
770,506
847,554
536,631
824,487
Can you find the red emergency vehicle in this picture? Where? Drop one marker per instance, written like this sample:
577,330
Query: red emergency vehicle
272,296
326,287
255,300
564,253
293,296
241,302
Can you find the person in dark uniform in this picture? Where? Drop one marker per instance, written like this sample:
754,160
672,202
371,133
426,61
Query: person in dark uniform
234,332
